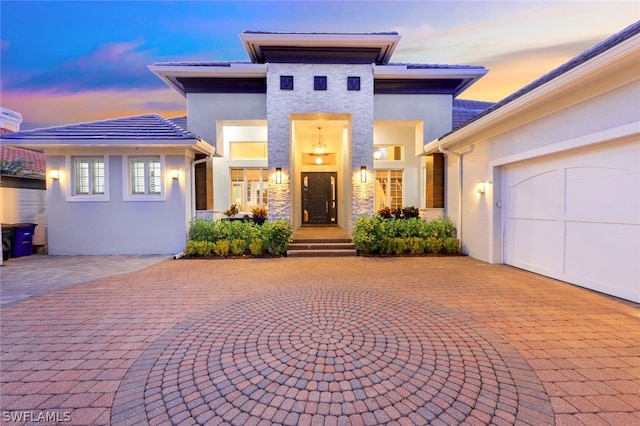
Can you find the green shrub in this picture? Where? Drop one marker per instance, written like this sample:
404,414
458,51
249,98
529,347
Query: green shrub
202,230
199,248
221,248
231,236
367,234
378,234
416,245
451,245
442,227
433,245
399,245
238,247
256,247
276,236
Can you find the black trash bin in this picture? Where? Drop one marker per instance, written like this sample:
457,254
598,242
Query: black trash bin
23,239
8,232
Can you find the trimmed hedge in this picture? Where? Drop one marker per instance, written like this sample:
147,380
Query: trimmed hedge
208,238
412,236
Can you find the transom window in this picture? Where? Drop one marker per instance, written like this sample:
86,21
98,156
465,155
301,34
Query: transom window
389,189
88,176
146,176
249,188
388,152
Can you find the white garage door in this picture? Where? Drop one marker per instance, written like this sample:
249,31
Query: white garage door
576,217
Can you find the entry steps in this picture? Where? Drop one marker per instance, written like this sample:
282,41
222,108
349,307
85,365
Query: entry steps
328,247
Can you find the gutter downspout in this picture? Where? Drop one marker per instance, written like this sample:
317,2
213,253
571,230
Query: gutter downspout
446,152
194,163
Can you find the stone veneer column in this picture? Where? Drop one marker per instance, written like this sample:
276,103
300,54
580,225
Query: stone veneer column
336,99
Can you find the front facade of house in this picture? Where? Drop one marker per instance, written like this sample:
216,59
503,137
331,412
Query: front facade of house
322,129
318,128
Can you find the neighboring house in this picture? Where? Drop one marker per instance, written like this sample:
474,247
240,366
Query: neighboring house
9,121
551,174
22,183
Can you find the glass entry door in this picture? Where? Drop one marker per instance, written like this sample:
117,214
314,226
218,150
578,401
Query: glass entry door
319,198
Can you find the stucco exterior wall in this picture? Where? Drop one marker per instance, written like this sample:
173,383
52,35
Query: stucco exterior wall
337,100
434,110
204,110
117,226
542,131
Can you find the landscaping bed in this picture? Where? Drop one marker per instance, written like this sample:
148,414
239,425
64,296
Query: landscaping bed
228,238
395,233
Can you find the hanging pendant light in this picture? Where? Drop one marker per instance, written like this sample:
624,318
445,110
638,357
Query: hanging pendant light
319,148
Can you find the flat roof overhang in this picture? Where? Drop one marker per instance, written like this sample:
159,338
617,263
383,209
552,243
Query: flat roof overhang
185,77
414,79
327,48
251,78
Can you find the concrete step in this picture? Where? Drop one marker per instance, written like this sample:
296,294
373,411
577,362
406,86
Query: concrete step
321,246
326,247
323,240
321,253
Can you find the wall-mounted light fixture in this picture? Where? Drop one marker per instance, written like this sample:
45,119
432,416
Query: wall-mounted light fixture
278,175
377,154
481,187
54,174
363,174
174,174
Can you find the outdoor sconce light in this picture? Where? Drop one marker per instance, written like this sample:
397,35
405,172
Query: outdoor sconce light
174,174
54,174
481,187
377,154
363,174
278,175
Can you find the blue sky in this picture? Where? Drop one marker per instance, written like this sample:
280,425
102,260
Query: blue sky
65,62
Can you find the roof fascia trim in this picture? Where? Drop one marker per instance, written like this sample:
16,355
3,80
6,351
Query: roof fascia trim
253,41
401,71
170,73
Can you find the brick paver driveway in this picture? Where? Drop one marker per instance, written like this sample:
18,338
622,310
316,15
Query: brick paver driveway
322,341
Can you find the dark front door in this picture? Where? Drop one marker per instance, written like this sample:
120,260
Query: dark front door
319,198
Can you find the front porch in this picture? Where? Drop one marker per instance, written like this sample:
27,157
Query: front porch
321,241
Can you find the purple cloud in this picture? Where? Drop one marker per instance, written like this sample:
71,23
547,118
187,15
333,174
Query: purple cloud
119,65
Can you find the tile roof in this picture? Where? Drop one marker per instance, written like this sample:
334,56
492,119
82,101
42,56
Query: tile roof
598,49
465,110
179,121
143,127
36,159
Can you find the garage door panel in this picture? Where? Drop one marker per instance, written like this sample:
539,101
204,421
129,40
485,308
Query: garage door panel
594,258
603,194
537,197
537,246
592,196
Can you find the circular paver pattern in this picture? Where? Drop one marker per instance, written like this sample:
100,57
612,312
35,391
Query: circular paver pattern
326,355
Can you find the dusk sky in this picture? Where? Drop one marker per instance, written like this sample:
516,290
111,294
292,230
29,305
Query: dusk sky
67,62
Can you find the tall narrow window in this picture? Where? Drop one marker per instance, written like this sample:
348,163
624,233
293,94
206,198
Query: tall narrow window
389,189
249,188
89,176
146,176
